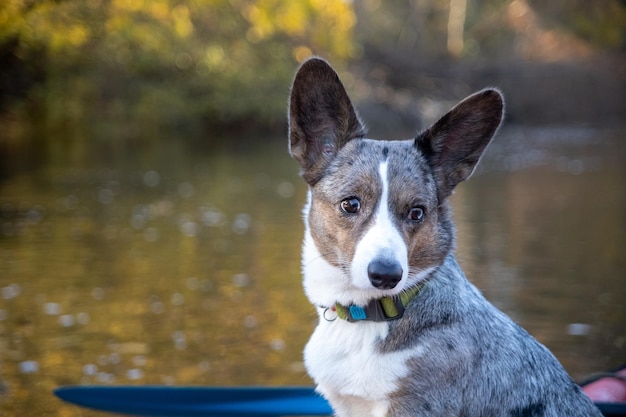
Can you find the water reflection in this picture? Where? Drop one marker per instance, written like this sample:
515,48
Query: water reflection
170,264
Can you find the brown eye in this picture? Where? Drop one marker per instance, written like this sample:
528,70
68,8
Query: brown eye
416,214
350,205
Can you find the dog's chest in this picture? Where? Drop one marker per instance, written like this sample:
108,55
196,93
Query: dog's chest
350,371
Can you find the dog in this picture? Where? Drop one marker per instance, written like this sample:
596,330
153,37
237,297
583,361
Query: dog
401,331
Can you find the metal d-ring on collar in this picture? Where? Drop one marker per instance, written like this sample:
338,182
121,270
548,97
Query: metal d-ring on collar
382,309
333,314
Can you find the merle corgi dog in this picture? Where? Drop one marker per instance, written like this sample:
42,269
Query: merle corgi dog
401,330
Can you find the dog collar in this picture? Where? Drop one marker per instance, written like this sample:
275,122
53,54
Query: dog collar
382,309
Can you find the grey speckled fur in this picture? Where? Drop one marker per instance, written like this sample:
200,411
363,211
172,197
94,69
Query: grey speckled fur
479,362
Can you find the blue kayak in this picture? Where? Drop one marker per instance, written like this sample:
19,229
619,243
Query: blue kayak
190,401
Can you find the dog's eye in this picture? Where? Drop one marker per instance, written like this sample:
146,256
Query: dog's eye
350,205
416,214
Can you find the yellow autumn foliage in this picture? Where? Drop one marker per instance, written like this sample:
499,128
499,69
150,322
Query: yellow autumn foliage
176,61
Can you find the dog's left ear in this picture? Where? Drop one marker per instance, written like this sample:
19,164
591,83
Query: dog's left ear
455,143
321,118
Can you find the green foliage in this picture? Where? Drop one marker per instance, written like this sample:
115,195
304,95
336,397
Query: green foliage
133,67
149,64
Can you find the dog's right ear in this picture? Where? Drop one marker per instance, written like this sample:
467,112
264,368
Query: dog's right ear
321,118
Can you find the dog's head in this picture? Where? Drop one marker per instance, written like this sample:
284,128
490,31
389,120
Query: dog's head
377,218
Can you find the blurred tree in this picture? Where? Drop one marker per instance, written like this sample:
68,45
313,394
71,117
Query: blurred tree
146,64
490,28
456,26
600,22
170,62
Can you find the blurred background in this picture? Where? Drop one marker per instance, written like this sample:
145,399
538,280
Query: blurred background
150,215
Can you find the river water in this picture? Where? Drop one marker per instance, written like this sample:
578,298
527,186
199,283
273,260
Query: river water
174,261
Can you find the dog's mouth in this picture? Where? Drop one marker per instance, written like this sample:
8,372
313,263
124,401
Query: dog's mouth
386,279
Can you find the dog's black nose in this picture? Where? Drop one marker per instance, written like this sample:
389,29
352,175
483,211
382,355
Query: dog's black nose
384,274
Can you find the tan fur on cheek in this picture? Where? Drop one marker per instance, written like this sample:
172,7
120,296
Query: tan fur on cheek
429,245
322,216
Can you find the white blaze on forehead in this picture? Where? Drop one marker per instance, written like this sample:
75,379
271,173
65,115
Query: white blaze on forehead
382,241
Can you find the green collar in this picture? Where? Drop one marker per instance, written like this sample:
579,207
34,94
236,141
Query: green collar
382,309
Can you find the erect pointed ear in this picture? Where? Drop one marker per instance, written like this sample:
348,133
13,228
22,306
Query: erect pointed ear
455,143
321,118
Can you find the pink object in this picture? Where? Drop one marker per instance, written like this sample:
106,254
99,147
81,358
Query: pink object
608,389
